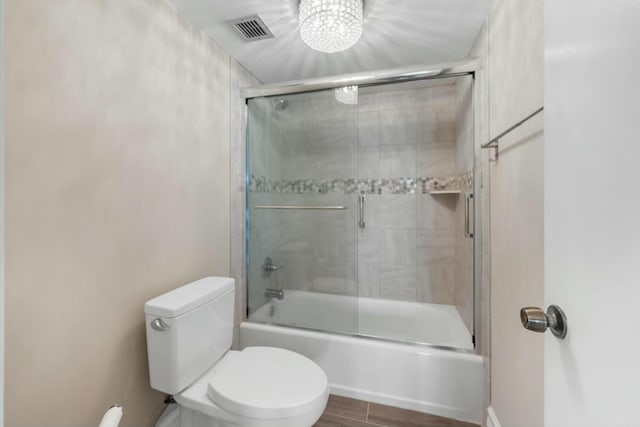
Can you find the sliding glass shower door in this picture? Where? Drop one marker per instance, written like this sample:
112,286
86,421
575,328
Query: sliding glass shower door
301,209
360,211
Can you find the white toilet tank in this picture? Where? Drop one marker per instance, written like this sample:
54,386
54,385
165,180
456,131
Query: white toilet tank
188,330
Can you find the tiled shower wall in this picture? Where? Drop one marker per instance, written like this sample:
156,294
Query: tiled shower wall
407,250
393,146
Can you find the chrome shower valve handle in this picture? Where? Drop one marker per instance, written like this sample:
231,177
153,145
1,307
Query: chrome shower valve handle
268,267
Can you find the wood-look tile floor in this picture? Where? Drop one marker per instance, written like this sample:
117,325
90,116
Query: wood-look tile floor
345,412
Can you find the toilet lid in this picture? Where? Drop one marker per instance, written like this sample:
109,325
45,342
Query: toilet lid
267,383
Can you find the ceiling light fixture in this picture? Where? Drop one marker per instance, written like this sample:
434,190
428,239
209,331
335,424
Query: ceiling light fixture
347,95
330,25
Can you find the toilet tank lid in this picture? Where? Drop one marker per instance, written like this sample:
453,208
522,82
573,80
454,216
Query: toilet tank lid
187,297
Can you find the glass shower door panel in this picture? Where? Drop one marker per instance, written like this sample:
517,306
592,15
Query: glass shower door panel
415,164
301,266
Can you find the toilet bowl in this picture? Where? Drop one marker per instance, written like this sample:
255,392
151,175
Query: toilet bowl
189,334
259,386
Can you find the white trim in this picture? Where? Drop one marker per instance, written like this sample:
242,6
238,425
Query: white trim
2,293
492,418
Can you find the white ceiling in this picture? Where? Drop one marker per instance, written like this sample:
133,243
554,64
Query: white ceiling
396,33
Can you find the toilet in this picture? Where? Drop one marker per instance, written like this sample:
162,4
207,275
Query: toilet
189,334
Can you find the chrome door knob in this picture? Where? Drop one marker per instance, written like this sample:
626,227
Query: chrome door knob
536,320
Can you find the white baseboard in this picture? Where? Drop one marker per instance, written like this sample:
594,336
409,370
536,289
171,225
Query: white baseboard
492,419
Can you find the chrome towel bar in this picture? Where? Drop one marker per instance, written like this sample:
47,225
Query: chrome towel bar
495,141
318,208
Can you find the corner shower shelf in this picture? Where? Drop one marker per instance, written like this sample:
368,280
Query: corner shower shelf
436,192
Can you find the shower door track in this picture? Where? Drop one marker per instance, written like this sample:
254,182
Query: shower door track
395,75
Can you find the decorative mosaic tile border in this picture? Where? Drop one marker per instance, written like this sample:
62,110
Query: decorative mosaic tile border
419,185
464,182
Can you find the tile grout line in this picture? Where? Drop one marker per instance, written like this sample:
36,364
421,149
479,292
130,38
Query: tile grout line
366,420
349,417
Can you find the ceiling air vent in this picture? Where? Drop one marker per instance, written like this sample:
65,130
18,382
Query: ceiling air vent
252,28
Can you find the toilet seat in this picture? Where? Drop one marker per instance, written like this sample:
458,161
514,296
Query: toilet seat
267,383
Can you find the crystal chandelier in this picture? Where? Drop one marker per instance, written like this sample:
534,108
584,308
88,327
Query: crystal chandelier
347,95
330,25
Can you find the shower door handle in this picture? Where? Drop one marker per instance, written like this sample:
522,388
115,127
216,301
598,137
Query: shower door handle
467,215
361,201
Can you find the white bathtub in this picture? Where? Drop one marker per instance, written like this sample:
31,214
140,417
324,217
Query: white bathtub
433,324
413,376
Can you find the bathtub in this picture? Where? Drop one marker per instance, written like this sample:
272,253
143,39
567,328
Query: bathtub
444,377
